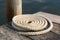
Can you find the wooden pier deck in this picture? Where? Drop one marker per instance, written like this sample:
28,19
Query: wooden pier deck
7,32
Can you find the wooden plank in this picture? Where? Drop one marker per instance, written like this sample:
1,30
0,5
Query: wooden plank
13,7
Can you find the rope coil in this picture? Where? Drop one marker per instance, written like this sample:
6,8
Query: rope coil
31,24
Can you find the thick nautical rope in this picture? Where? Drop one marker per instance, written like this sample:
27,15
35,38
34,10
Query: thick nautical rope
31,24
52,17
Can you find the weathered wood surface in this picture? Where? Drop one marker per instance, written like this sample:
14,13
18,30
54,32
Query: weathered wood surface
8,33
13,7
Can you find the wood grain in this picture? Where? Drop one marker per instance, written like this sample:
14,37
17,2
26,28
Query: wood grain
13,7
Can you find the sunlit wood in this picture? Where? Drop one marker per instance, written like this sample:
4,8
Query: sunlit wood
13,7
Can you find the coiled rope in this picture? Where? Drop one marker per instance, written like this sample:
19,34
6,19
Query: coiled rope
31,24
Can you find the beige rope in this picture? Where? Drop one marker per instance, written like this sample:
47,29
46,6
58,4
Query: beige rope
31,24
52,17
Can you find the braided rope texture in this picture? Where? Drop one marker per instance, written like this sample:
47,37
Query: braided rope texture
29,24
54,18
